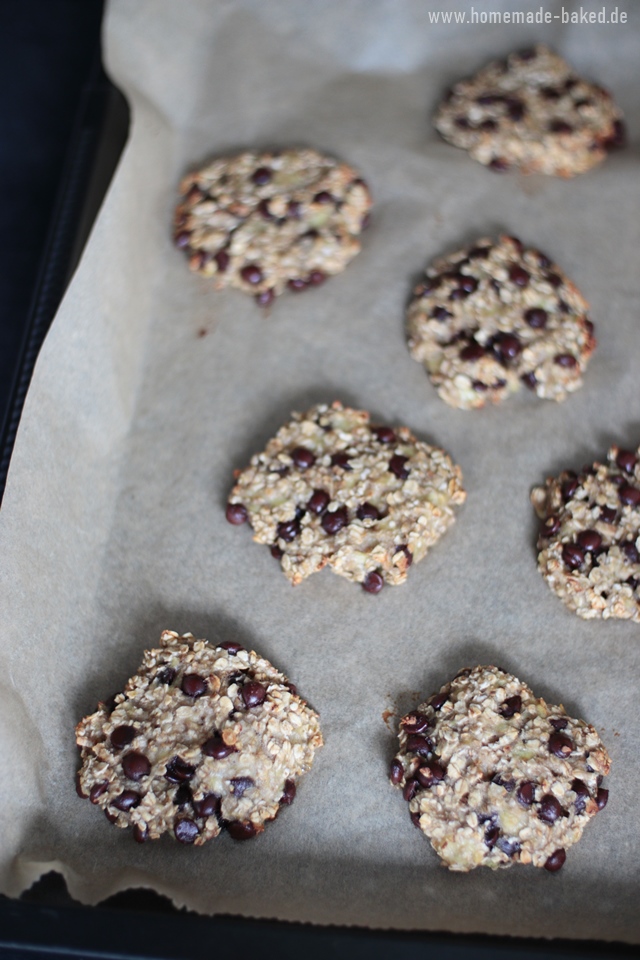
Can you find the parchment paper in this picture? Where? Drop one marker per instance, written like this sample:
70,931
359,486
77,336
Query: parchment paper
151,388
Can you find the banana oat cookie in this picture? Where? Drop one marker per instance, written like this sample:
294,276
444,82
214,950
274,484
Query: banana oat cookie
204,736
495,316
495,776
333,490
589,541
533,113
263,222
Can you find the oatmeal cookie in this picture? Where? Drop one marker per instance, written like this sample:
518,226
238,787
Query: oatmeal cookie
495,776
495,316
263,222
533,113
204,736
331,489
589,541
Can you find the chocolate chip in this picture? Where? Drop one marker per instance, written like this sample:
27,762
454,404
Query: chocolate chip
564,307
499,164
193,685
536,317
630,551
560,126
440,313
410,789
207,807
416,723
407,553
341,460
385,434
583,102
508,346
559,723
239,785
297,284
323,197
185,830
241,829
507,784
430,773
526,793
397,466
182,239
288,794
135,765
333,521
602,796
263,209
566,360
488,125
97,791
529,380
216,747
438,700
251,273
318,502
510,706
417,743
261,176
473,351
581,792
626,460
316,277
140,833
288,530
555,861
515,108
467,283
127,800
553,279
396,772
265,297
462,122
415,818
302,457
183,796
589,540
560,745
237,513
111,817
573,555
222,260
491,836
518,275
569,485
231,647
629,496
179,771
549,809
550,93
253,694
122,737
367,511
373,582
550,526
508,847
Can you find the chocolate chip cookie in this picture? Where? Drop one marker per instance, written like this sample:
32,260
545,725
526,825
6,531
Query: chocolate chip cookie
589,540
331,489
531,112
495,316
203,737
266,222
495,776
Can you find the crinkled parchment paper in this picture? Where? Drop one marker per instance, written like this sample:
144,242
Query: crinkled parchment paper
151,388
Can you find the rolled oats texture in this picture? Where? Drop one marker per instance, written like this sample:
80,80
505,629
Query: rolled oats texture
495,776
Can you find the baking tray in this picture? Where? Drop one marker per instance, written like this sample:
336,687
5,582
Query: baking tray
140,923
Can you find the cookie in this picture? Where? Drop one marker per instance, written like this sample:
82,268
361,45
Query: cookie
589,541
531,113
495,776
332,490
204,736
266,222
495,316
